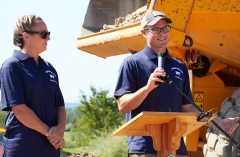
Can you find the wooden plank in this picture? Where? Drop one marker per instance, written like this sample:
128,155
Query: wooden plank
137,126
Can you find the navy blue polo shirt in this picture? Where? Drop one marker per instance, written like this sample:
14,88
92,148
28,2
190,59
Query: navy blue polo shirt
134,74
37,86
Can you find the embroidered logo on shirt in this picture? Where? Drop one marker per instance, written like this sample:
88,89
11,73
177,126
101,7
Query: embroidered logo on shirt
178,72
52,76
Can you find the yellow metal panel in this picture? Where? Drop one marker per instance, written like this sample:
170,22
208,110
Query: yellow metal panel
202,133
216,5
213,97
176,37
214,21
178,10
210,81
216,66
222,45
191,140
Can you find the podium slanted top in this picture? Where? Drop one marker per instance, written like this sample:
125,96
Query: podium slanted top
137,125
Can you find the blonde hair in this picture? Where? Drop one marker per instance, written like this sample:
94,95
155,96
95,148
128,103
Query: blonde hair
23,24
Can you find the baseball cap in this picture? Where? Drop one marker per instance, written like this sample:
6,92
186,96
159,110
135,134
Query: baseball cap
152,17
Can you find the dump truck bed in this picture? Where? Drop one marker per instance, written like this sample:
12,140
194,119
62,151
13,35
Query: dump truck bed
212,25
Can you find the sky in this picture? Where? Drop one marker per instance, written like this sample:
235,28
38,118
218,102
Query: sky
77,70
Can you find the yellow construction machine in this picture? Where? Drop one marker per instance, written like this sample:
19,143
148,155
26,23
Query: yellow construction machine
205,35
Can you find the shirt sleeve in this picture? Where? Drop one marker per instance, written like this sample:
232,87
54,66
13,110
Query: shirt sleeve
11,89
126,82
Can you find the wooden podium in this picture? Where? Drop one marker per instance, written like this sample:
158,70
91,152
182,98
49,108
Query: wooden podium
166,129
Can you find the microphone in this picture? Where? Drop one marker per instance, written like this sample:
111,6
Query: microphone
161,59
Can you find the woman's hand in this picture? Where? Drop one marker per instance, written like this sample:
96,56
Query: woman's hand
55,137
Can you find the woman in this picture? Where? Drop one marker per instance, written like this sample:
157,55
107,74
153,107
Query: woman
30,93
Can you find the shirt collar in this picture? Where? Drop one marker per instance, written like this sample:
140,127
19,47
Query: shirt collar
19,55
152,55
22,56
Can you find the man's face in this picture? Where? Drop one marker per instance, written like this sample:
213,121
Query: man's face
155,39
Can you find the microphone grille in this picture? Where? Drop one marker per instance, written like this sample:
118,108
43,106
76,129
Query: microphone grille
162,54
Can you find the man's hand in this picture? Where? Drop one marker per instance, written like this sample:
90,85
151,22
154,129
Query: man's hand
229,124
154,78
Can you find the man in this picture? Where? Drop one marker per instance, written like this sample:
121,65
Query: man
140,89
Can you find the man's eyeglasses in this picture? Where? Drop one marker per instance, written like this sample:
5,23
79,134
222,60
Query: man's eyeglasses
44,34
158,30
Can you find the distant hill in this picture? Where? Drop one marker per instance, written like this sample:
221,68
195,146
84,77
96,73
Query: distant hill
71,105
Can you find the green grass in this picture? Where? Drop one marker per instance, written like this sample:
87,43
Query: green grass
108,145
72,150
103,146
70,143
67,136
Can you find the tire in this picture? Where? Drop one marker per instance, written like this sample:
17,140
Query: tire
218,145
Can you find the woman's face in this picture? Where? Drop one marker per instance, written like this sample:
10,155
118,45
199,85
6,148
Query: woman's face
37,40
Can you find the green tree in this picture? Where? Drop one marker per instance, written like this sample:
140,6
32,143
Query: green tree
98,113
2,121
2,118
3,115
72,117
